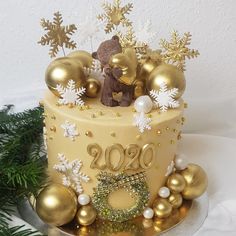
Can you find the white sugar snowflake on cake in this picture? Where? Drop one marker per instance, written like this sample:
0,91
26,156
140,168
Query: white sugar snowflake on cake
95,71
71,173
70,94
70,130
165,98
144,32
142,122
170,168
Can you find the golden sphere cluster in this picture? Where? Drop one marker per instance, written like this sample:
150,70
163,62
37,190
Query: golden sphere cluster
188,184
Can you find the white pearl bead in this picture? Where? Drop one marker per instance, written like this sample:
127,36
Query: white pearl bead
148,213
143,104
181,162
164,192
83,199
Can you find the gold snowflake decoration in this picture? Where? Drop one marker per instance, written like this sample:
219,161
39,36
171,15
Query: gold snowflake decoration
129,40
57,35
115,14
176,51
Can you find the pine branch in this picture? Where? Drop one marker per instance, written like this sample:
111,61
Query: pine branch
17,231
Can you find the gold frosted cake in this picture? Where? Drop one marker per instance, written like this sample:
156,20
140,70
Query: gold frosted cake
113,119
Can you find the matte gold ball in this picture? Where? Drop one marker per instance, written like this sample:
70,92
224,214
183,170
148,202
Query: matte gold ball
176,183
56,204
86,215
169,74
176,200
139,88
83,57
196,181
93,87
162,208
61,70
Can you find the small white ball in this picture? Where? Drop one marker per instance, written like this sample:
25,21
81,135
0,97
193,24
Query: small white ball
143,104
148,213
83,199
181,162
164,192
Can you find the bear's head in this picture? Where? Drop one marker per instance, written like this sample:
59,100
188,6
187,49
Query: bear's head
107,49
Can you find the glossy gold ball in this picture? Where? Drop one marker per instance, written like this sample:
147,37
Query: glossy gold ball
83,57
93,87
127,62
61,70
139,88
145,69
196,181
176,183
169,74
86,215
176,200
162,208
56,204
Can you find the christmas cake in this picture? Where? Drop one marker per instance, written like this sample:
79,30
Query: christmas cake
113,120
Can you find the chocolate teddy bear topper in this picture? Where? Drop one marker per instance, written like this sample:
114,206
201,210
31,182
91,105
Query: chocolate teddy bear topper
112,83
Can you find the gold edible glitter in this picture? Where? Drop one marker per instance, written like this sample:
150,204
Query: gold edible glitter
167,128
158,144
113,134
93,116
89,133
159,132
172,141
53,117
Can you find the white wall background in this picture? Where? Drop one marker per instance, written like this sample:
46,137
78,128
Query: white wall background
211,79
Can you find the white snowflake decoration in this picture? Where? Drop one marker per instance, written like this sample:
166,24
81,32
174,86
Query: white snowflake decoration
144,32
89,29
95,71
142,122
70,130
71,174
170,168
164,98
70,94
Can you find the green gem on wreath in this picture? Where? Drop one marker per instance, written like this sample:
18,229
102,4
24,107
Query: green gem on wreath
135,185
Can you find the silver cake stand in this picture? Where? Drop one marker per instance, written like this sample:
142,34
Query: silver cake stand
196,215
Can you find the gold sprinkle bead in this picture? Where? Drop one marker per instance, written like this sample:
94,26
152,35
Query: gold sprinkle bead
167,128
175,130
53,128
93,116
183,119
133,110
185,105
178,121
71,105
41,103
53,117
113,134
51,138
87,107
172,141
45,115
159,132
158,144
149,115
179,136
89,134
100,113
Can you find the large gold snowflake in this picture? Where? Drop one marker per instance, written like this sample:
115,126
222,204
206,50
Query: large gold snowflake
115,14
176,51
129,40
57,35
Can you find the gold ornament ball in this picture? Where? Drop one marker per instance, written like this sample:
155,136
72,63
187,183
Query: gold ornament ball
176,183
93,87
145,68
86,215
56,205
196,182
176,200
169,74
83,57
162,208
61,70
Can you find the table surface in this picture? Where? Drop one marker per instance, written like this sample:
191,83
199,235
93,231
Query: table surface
217,156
